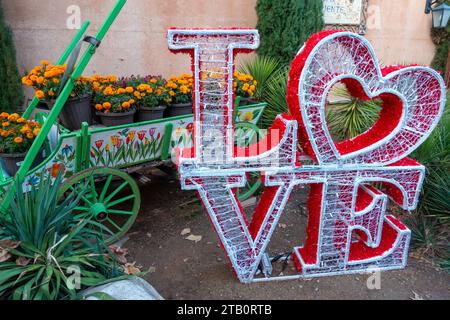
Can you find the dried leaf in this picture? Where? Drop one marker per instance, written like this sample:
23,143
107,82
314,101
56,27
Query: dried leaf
185,231
194,238
4,255
22,261
120,253
131,269
9,244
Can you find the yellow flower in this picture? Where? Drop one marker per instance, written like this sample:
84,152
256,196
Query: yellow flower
21,120
248,116
126,105
36,131
129,89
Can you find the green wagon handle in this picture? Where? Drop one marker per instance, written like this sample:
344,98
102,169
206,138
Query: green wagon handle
60,101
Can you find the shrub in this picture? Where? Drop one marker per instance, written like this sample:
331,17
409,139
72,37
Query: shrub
11,93
285,25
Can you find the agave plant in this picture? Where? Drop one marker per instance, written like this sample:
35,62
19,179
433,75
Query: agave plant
45,253
261,68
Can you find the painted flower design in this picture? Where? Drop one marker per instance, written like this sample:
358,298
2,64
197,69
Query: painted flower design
248,116
99,143
141,134
190,128
67,150
56,168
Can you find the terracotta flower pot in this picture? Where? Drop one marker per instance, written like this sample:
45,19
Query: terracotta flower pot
150,113
112,119
11,162
75,111
179,109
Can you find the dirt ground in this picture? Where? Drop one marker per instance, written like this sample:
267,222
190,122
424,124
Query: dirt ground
184,269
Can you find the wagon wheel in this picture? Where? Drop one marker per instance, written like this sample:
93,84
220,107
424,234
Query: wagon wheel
112,199
245,134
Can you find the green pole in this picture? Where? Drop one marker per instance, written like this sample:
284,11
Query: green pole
61,61
60,101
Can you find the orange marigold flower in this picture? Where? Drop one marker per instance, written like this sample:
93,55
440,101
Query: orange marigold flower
40,94
45,62
36,131
18,140
129,89
6,124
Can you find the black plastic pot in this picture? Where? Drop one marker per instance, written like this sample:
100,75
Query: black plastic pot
75,111
179,109
247,101
11,162
112,119
150,113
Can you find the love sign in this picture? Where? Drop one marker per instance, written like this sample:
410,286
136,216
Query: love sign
348,228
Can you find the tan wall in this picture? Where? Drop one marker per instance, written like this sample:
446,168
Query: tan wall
136,44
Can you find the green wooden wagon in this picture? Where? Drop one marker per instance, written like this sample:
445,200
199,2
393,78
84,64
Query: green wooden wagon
102,157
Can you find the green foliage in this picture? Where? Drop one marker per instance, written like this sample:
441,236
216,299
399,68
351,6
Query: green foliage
11,92
350,116
43,246
285,25
441,38
275,96
261,68
430,223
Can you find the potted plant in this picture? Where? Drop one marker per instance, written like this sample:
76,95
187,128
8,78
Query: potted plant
115,105
244,85
151,96
180,94
46,80
16,136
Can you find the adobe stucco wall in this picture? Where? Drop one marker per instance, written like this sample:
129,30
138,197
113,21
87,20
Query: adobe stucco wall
136,44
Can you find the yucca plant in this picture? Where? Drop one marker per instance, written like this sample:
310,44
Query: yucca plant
261,68
43,247
350,116
275,96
